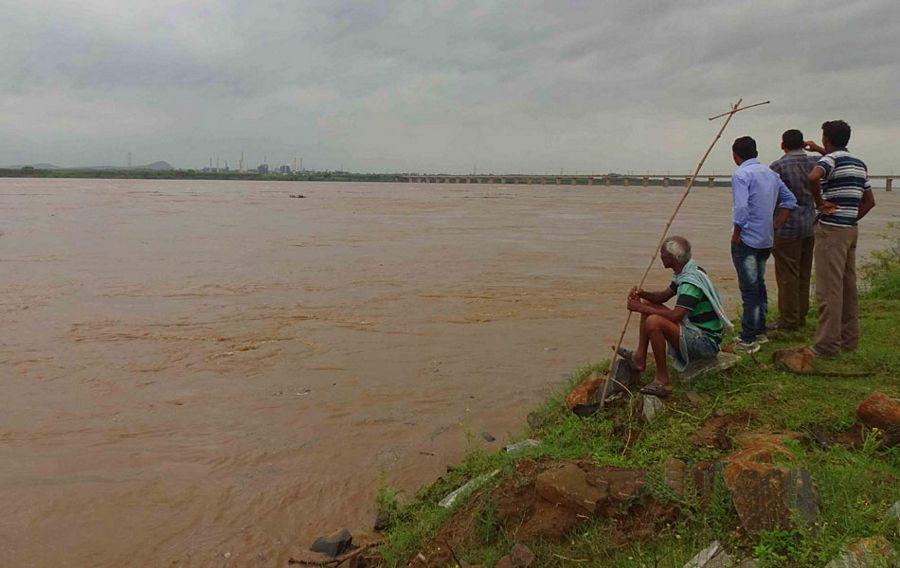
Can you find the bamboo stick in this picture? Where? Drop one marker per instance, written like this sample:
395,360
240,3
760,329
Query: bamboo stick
734,109
739,110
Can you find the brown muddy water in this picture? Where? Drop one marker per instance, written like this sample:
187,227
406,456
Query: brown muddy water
210,373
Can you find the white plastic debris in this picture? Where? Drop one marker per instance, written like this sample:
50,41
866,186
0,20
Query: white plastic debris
529,443
453,497
713,556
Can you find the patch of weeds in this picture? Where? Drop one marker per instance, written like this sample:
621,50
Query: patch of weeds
872,441
779,547
488,526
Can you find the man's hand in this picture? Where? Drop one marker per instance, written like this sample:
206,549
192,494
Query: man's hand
811,146
635,293
781,217
735,237
634,304
828,208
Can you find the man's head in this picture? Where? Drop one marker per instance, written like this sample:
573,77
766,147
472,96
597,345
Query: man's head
743,149
675,253
835,134
792,140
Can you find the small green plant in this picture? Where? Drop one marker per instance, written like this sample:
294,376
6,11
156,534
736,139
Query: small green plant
881,267
872,440
785,548
387,501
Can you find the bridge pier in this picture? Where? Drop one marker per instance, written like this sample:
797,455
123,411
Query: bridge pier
888,183
646,181
712,181
626,182
665,182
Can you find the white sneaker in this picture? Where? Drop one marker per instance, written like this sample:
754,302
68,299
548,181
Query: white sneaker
744,347
762,339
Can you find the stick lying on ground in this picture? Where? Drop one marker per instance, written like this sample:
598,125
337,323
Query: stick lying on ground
736,107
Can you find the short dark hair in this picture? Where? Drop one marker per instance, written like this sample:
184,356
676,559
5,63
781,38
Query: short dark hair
745,147
792,139
837,132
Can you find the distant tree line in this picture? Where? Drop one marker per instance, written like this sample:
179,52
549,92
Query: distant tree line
195,174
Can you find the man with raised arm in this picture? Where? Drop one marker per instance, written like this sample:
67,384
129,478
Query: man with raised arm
843,195
690,331
793,248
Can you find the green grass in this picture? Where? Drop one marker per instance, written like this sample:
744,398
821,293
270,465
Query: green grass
856,486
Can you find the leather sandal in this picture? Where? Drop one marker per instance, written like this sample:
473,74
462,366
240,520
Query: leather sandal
656,389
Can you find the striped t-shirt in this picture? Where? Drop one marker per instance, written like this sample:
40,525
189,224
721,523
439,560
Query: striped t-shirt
700,310
845,180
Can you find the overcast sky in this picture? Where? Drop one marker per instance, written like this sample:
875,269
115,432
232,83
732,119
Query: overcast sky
520,86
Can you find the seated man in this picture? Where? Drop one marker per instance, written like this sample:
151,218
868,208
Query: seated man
692,329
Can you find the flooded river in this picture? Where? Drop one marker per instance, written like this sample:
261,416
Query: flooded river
207,373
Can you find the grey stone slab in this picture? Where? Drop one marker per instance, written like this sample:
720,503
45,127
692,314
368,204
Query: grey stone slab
696,369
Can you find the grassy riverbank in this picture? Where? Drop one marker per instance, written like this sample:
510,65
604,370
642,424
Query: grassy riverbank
857,479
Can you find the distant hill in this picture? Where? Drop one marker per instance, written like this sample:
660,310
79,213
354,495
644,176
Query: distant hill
35,166
155,166
160,166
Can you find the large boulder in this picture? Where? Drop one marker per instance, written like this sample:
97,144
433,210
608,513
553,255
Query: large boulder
766,496
708,479
334,544
619,483
568,486
584,399
528,517
871,552
675,475
882,412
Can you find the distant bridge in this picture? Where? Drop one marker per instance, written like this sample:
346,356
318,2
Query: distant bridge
664,180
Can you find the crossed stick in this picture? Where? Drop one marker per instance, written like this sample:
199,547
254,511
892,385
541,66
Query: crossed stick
735,108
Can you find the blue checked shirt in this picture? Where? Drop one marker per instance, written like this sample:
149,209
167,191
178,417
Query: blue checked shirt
757,191
793,168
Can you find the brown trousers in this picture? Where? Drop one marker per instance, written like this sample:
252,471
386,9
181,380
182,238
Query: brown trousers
793,268
835,254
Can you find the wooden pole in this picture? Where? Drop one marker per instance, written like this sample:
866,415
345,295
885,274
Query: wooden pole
729,114
732,111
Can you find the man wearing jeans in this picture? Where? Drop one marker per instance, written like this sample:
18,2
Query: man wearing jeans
757,192
793,249
842,192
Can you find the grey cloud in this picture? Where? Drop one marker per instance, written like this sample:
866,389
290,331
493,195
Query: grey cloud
525,86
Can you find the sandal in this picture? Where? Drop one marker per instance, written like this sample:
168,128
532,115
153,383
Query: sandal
657,390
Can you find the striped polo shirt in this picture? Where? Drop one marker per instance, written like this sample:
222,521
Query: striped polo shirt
845,180
700,310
